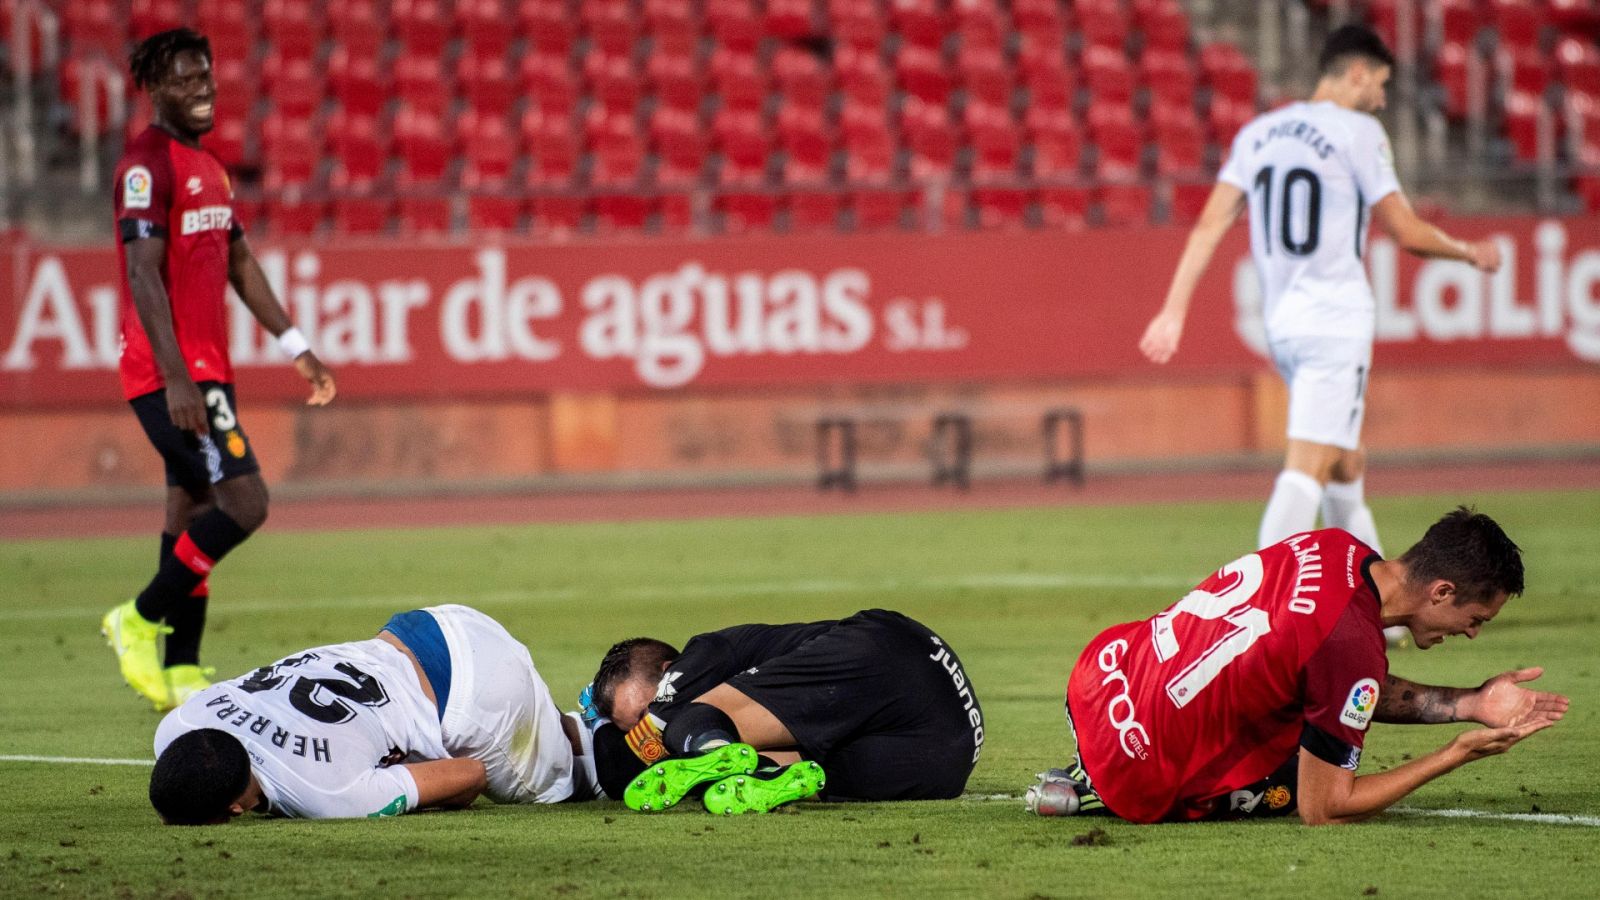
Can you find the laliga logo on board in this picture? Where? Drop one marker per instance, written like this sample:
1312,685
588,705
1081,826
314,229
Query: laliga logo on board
1450,301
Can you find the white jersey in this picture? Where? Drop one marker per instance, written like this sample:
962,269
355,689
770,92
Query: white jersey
324,729
1310,172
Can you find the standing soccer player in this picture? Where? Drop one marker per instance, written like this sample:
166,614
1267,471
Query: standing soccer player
1252,695
181,248
1310,172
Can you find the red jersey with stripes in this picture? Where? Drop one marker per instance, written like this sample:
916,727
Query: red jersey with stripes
1279,649
182,194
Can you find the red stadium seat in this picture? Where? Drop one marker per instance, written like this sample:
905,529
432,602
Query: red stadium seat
1226,117
487,83
294,86
790,20
1579,64
862,76
421,81
612,81
859,26
550,30
230,28
923,74
548,81
740,80
1039,22
1450,69
228,141
1108,75
487,146
1103,23
997,150
1116,135
425,212
1123,202
1517,22
289,213
551,141
293,27
921,23
494,211
1055,126
814,208
1163,23
979,23
423,26
1169,76
422,145
804,135
1045,75
95,24
1523,68
1582,113
1460,19
358,145
673,27
359,215
1228,72
930,137
1522,123
734,23
290,152
357,81
1178,139
985,74
617,177
802,77
483,27
147,17
611,26
357,27
676,81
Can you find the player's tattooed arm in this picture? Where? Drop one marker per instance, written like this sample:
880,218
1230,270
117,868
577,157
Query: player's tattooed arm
1403,702
1500,702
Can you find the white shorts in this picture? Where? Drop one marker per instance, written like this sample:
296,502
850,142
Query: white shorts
1327,380
500,711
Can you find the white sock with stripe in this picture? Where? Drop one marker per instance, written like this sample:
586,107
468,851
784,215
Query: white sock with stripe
1292,508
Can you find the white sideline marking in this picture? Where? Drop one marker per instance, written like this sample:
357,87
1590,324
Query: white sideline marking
1019,581
86,760
1538,818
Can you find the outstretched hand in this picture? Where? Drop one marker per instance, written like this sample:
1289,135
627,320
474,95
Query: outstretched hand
1503,702
1161,336
1481,742
322,386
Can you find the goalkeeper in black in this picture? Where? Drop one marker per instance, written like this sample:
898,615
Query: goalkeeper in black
871,707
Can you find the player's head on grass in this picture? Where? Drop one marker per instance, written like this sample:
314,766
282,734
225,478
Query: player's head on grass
174,68
1464,568
202,778
1354,68
626,682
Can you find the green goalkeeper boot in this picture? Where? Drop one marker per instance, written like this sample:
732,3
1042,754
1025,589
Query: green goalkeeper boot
761,793
662,785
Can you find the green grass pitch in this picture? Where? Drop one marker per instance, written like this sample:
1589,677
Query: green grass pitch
1016,592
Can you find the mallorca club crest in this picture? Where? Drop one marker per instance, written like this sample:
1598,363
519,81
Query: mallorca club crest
236,444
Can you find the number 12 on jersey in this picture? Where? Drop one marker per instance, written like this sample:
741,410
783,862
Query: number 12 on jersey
1232,605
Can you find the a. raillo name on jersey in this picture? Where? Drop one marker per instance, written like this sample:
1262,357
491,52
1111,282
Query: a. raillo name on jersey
206,218
229,712
1300,130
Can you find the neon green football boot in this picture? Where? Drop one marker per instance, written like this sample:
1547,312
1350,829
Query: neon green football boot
185,681
662,785
760,793
135,640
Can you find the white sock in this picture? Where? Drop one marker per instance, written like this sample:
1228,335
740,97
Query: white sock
1344,505
1292,509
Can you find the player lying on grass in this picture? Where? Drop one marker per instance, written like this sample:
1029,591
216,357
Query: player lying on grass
442,706
1252,695
876,701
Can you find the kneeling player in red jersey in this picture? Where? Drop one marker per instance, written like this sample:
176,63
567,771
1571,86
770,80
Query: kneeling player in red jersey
1252,695
180,248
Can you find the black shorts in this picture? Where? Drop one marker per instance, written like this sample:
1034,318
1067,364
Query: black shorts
881,702
195,463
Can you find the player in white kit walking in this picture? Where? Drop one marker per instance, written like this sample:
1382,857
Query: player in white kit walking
442,706
1309,172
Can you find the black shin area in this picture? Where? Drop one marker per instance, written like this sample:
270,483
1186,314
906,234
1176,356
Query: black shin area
699,727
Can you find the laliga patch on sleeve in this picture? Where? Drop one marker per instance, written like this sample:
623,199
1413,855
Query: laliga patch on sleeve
137,188
1360,704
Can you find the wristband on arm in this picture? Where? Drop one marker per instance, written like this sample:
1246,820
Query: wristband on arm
293,343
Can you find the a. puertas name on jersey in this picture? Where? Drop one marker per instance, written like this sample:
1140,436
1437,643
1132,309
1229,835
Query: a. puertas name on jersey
229,712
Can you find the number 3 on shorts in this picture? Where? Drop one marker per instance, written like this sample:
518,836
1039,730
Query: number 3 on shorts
222,417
